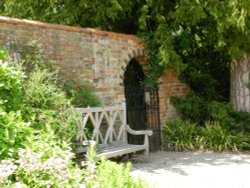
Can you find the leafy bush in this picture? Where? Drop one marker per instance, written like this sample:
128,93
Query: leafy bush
14,134
199,110
105,173
184,135
10,83
243,121
180,135
45,103
36,136
35,171
192,108
82,94
43,91
221,112
110,174
215,137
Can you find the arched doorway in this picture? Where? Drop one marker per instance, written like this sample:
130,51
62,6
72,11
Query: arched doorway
135,99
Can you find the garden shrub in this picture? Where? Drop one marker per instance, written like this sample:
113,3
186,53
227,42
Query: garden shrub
180,135
43,91
109,174
14,134
45,103
82,94
242,120
221,112
215,137
36,135
192,108
11,79
184,135
198,110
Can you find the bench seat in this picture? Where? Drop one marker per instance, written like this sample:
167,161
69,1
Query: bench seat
110,132
116,150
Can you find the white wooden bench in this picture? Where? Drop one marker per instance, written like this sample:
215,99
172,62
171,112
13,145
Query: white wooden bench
109,131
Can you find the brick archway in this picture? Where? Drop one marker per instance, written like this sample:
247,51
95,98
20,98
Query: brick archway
92,55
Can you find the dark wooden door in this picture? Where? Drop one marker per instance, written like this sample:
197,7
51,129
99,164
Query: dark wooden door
135,100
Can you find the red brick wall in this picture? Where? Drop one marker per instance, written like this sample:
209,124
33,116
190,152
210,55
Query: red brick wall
89,54
170,85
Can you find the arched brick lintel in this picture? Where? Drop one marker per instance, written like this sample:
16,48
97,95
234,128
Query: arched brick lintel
134,54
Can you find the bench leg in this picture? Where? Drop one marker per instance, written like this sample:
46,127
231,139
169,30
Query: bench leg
125,157
146,153
146,142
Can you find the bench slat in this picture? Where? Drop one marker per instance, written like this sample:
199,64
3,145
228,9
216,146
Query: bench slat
110,131
114,150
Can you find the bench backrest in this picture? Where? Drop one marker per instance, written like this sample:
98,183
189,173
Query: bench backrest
107,124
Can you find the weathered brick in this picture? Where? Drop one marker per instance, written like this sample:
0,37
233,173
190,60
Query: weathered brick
89,54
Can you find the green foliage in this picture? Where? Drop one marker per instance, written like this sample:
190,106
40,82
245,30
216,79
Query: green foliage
45,103
14,134
199,39
242,120
222,113
82,94
105,14
43,92
180,135
183,135
192,108
36,140
199,110
111,174
11,79
217,138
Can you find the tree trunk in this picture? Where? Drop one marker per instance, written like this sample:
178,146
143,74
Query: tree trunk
240,83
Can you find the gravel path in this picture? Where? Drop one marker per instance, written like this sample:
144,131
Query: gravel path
193,170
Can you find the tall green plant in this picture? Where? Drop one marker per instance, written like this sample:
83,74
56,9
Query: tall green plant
217,138
82,94
46,104
14,134
110,174
180,135
11,79
192,108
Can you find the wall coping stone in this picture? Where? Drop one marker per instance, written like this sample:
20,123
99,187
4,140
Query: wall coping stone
67,28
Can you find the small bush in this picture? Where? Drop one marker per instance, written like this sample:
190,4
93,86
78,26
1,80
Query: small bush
192,108
82,94
221,112
215,137
14,134
11,79
110,174
242,120
184,135
46,104
180,135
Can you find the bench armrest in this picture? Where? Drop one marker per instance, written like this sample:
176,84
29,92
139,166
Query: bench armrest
141,132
